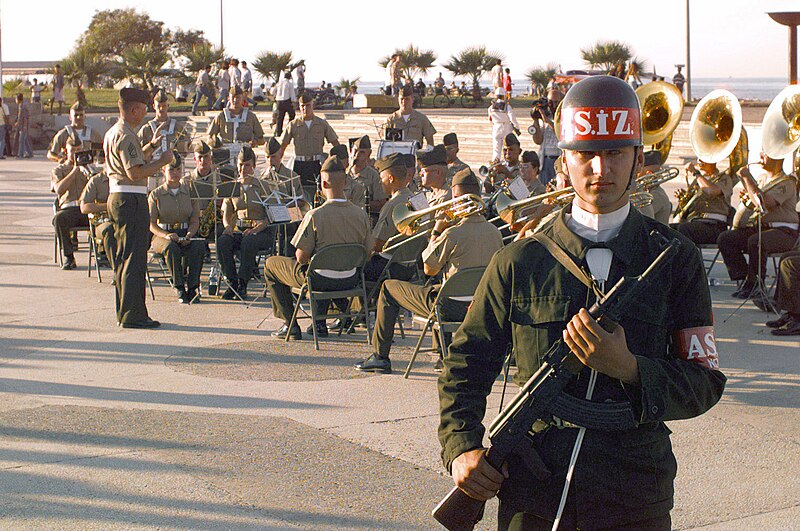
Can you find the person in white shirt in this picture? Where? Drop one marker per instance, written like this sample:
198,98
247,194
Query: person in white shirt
247,84
497,74
501,115
202,88
300,69
258,93
234,73
224,86
285,97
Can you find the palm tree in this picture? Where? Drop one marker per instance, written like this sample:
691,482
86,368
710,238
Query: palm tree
413,61
83,62
346,85
202,55
606,54
540,76
142,62
473,62
271,64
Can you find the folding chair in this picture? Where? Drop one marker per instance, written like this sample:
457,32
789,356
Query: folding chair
340,258
93,243
713,247
162,273
57,258
460,288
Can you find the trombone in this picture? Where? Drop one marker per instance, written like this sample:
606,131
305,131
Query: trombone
412,225
644,183
507,212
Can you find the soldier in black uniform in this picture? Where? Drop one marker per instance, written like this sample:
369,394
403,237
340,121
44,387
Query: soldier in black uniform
661,358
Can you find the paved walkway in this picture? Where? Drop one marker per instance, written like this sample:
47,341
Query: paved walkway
208,423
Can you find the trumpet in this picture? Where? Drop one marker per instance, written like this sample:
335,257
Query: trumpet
412,226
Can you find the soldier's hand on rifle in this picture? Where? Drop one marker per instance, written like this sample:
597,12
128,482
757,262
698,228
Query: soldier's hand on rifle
475,476
605,352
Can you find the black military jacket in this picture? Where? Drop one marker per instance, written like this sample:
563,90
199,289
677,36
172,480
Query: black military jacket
524,301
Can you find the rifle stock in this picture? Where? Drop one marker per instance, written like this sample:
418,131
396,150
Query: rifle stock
458,512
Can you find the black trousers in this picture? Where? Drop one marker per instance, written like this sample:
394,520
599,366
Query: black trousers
787,294
701,231
64,220
131,218
284,107
248,247
733,244
308,170
509,519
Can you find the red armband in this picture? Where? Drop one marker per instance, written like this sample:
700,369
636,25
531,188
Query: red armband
698,345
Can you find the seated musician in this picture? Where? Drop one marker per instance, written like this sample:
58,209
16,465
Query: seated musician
471,242
354,190
94,199
174,220
508,169
707,216
660,208
67,182
778,193
362,171
336,221
287,183
247,227
434,173
395,181
787,297
529,170
410,161
454,164
205,171
236,123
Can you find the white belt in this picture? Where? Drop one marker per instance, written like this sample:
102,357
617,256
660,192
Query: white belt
70,204
173,226
716,217
779,224
309,158
114,188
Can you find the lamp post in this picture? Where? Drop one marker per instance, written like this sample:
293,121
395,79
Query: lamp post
688,57
221,39
792,20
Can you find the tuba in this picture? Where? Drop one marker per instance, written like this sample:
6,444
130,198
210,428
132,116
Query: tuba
716,126
662,107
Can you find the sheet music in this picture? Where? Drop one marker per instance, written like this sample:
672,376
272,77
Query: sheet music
518,188
278,214
418,201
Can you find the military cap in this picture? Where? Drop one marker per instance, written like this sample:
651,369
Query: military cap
465,177
511,140
391,160
410,160
363,143
128,95
176,160
246,154
450,139
332,164
306,98
432,157
77,107
406,92
530,157
273,146
160,97
237,90
201,148
339,151
652,158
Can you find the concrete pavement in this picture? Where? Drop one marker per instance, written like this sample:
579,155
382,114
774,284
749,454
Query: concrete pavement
207,423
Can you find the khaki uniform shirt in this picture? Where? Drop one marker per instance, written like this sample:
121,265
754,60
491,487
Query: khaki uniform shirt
355,192
249,129
123,151
331,223
285,181
439,195
371,180
96,190
309,141
246,202
471,243
455,167
418,127
535,187
58,146
73,193
785,194
385,227
169,209
719,204
175,140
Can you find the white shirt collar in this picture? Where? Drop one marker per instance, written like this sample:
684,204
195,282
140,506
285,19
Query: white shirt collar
336,200
597,227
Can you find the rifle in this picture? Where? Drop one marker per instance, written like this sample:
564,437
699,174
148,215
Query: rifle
542,397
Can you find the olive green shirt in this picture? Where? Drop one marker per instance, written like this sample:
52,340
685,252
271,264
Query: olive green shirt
456,166
172,209
385,227
371,180
123,152
309,140
417,127
718,204
96,190
470,243
523,303
246,131
331,223
785,193
246,202
355,192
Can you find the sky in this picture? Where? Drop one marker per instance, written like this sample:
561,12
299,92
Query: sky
729,38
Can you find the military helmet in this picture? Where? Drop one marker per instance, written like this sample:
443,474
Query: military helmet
599,112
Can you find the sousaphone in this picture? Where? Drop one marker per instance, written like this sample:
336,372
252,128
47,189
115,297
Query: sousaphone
716,126
662,108
780,128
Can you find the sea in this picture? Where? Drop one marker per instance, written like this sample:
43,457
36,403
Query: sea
754,88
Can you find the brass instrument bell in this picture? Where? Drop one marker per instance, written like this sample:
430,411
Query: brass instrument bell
715,126
662,107
780,128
